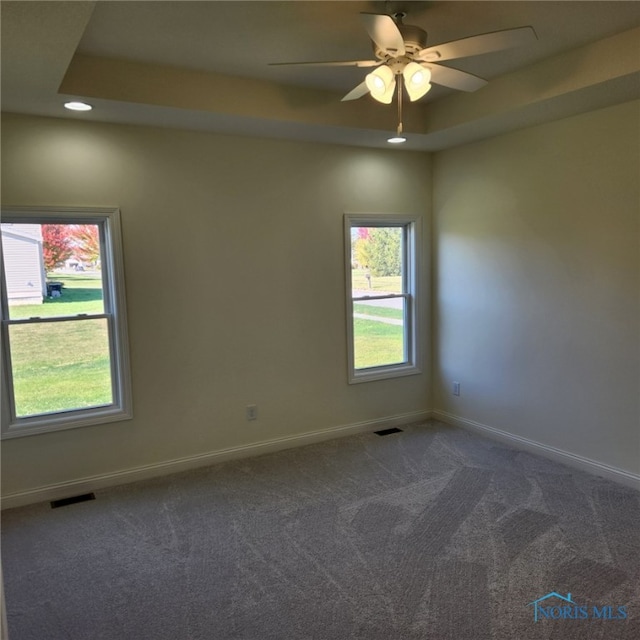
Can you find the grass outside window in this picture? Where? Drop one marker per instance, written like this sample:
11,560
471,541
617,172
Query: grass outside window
377,343
65,357
62,365
381,267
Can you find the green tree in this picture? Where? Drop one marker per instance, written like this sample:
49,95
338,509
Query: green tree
385,251
361,253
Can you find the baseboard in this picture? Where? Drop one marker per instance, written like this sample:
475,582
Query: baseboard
578,462
93,483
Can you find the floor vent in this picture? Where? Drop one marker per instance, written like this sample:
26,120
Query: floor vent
388,432
66,501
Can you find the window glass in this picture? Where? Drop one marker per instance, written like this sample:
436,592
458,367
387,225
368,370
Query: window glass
60,366
52,269
63,321
381,268
377,270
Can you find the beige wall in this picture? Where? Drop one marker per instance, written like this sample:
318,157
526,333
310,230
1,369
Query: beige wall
537,284
233,258
235,285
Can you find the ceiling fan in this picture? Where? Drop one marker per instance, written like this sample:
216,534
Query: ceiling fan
403,57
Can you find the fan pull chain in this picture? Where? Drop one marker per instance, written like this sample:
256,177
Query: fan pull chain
399,104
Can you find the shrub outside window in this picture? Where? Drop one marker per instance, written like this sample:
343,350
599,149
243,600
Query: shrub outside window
65,359
381,263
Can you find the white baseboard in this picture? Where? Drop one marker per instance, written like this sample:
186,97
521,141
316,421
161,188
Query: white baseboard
93,483
620,476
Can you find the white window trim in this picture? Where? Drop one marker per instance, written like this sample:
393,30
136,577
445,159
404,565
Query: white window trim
115,306
413,225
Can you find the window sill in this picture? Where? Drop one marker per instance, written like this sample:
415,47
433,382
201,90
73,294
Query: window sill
22,427
383,373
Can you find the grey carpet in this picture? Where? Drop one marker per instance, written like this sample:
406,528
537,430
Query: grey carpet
432,534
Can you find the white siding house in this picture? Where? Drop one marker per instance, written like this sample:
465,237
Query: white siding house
25,277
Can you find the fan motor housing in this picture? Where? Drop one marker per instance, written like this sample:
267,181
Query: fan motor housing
415,39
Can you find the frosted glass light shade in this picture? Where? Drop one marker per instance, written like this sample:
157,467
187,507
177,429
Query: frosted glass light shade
416,80
381,84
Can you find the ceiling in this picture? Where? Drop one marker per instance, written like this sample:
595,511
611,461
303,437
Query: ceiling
204,66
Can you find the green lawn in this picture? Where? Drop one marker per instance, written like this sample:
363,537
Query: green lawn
383,312
80,294
392,284
60,366
377,343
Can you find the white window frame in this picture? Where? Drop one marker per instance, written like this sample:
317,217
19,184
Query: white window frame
412,229
114,312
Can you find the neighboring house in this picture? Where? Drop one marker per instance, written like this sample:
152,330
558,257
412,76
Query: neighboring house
24,263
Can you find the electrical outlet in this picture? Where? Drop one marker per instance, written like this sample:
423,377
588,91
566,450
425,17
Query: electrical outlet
252,412
456,388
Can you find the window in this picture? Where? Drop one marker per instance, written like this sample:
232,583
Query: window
381,267
64,337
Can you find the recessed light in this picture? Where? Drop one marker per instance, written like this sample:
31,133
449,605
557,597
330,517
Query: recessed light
397,140
78,106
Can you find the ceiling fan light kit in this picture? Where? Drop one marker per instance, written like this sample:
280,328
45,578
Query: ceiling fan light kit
381,84
416,80
401,52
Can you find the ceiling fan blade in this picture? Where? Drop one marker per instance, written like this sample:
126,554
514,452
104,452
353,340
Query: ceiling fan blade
339,63
384,32
477,45
358,92
454,79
